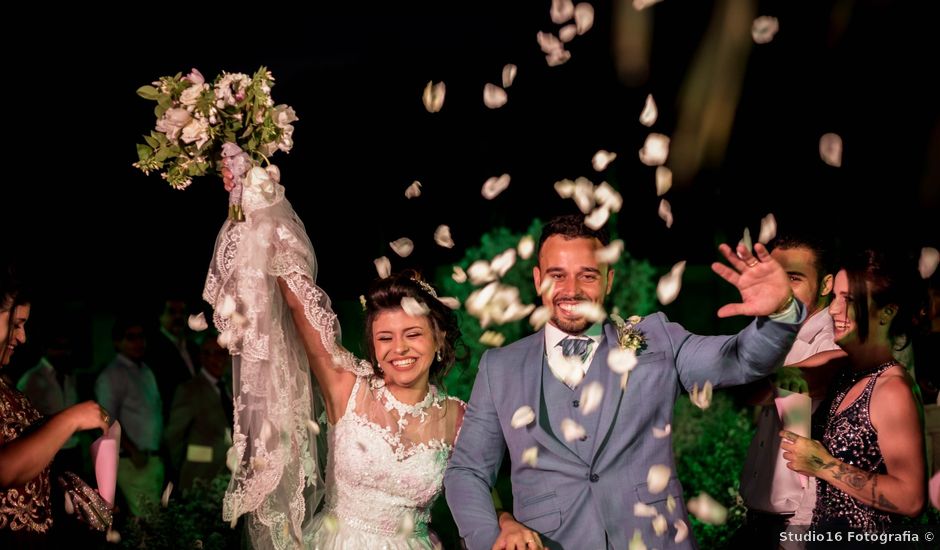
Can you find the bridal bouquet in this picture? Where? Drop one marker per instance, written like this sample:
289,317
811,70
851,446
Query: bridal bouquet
202,128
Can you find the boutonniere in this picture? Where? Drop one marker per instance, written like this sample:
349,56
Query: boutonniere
628,336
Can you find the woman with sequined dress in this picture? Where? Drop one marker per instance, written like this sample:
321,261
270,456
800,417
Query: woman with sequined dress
870,462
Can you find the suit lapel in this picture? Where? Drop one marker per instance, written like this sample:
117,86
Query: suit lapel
613,394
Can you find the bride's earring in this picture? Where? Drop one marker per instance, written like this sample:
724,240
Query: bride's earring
439,358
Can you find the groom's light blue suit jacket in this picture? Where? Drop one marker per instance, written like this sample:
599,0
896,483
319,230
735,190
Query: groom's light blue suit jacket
577,503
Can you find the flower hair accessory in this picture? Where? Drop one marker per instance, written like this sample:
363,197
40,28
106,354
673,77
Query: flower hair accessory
427,288
201,128
628,336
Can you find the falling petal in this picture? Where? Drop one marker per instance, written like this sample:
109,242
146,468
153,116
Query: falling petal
564,188
650,112
530,456
567,33
707,509
494,97
548,42
442,236
413,307
547,286
383,266
621,360
927,264
764,28
113,536
623,379
523,416
591,397
433,97
830,149
403,246
227,307
671,504
330,523
562,11
636,543
69,507
503,261
165,499
198,322
665,212
492,339
669,284
657,478
601,159
643,4
568,370
768,229
608,196
596,219
584,195
655,150
663,180
450,301
407,526
584,17
459,276
526,247
313,427
557,57
746,241
231,460
701,399
610,253
414,190
571,430
660,524
642,510
494,186
539,317
509,75
660,433
225,339
590,311
682,530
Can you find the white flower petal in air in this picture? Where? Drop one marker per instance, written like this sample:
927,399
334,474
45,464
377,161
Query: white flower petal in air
591,397
621,360
494,97
557,57
584,194
642,510
567,33
596,219
701,399
636,543
746,241
562,11
564,188
313,427
657,478
671,504
927,264
655,150
608,196
610,253
231,460
707,509
433,97
383,267
660,433
450,301
494,186
568,370
403,246
459,275
601,159
330,523
502,262
665,212
112,536
509,74
165,499
407,526
442,236
590,311
669,284
492,339
413,307
539,317
571,430
198,322
547,286
663,180
530,456
523,416
830,149
228,306
640,5
682,530
225,339
623,379
526,247
768,229
660,524
764,28
414,190
480,272
650,112
548,42
584,17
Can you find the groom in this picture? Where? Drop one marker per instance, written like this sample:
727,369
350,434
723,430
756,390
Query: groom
582,489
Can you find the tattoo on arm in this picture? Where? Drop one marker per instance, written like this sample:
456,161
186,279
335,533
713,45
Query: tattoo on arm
857,479
886,504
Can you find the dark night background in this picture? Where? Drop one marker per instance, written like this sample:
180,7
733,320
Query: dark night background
96,231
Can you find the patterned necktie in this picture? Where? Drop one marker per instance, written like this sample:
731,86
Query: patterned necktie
575,346
226,398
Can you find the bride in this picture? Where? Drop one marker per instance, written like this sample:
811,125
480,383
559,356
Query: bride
391,431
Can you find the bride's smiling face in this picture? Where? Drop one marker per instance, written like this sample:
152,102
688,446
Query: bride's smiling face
404,346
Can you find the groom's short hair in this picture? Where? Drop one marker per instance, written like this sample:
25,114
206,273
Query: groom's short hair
572,226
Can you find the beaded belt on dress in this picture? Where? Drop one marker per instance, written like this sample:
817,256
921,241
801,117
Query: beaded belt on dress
369,527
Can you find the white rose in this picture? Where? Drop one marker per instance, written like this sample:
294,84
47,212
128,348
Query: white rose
283,115
191,95
259,180
196,131
173,122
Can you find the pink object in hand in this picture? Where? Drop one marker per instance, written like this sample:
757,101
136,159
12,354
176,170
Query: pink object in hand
104,453
934,490
795,411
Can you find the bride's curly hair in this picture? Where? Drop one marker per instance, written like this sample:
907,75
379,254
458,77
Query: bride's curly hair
385,294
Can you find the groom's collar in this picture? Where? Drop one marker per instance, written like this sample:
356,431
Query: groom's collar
553,334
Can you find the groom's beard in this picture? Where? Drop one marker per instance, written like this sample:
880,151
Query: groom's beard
571,326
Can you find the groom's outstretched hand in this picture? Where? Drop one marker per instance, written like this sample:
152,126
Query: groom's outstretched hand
514,535
759,278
